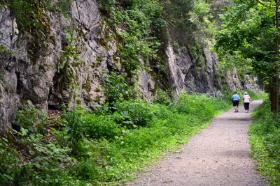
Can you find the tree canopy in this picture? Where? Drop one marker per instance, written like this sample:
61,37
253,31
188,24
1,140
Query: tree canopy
249,28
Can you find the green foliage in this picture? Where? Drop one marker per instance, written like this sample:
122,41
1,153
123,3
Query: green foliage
133,114
265,143
236,61
74,125
105,147
32,161
246,27
178,20
5,53
87,170
203,105
64,6
100,127
92,160
31,118
109,160
81,124
257,95
9,162
107,6
189,22
40,158
68,65
70,58
31,17
48,162
201,17
135,23
30,14
116,88
162,97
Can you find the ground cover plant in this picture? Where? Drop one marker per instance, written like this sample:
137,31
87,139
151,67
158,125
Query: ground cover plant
265,143
107,146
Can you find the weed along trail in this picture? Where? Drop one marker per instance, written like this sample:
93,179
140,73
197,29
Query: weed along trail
219,155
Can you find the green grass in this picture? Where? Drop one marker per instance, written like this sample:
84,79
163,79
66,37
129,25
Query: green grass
265,143
110,146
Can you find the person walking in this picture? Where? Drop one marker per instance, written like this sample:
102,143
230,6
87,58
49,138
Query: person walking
235,101
246,100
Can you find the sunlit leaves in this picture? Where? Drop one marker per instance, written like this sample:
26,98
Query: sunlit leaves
248,27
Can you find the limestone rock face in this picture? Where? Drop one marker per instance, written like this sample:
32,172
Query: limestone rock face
69,66
42,79
197,74
251,83
8,78
146,85
232,80
176,68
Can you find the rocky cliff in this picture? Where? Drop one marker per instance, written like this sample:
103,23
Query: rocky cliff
65,59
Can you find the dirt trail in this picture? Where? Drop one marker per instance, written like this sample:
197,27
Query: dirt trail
219,155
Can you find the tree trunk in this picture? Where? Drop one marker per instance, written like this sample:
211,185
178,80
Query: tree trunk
274,94
275,88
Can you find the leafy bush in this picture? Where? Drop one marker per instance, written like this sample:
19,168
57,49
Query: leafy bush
74,126
100,127
194,104
133,114
104,109
201,105
31,118
116,88
162,112
48,163
82,124
9,162
33,161
92,159
162,98
87,169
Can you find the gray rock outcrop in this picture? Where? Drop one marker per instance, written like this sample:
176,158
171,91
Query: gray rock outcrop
9,98
198,75
68,67
41,80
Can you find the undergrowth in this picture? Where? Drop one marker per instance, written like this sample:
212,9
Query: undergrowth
265,143
104,147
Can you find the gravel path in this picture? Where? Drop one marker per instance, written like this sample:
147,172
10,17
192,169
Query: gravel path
219,155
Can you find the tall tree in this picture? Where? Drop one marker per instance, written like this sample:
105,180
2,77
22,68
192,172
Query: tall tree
251,27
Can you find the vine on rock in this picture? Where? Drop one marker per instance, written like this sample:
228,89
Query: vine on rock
68,65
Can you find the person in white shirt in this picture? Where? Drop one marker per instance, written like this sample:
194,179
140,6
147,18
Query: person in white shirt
246,100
